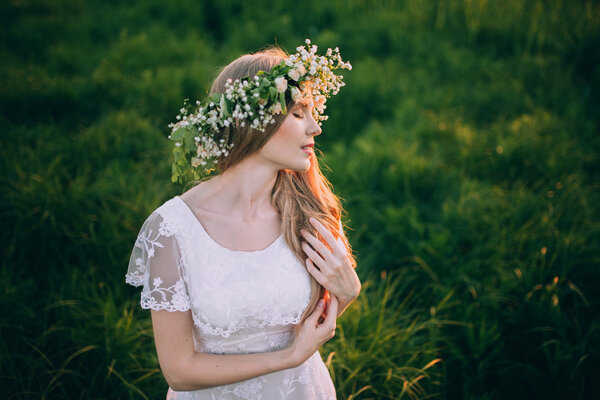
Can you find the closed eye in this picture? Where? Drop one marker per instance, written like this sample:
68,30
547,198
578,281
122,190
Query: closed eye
298,115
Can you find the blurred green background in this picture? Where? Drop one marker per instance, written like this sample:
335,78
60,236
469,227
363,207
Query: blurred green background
465,147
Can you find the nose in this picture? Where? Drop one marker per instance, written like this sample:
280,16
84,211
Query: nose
314,129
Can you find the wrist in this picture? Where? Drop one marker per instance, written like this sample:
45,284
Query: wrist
289,357
346,300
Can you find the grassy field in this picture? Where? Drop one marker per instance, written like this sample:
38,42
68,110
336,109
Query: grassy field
465,145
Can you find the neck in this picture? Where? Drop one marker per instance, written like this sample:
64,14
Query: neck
245,189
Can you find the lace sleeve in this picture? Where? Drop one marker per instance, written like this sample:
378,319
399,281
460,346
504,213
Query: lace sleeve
155,264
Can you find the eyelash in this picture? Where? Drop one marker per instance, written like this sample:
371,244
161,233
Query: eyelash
298,115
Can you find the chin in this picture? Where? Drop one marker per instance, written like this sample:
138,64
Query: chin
305,168
298,168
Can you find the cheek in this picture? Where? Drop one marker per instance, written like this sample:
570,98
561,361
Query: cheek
283,135
277,141
276,144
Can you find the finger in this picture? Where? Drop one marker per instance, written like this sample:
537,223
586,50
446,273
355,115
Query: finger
317,245
340,241
315,272
326,235
332,308
319,262
314,316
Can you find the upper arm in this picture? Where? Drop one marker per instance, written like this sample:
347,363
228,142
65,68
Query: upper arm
157,266
174,342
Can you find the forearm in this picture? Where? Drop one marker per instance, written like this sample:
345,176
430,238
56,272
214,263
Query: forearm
201,370
349,296
186,369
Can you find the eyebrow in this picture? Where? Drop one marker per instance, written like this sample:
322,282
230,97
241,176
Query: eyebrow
300,106
304,103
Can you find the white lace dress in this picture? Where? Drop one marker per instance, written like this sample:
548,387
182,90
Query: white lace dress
241,301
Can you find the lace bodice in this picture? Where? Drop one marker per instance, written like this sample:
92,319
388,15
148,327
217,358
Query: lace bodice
240,301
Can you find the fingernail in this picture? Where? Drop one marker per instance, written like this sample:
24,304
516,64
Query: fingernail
313,220
321,302
302,231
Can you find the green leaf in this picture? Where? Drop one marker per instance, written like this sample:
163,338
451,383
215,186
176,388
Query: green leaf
174,172
224,106
177,153
282,102
178,134
188,142
182,161
272,92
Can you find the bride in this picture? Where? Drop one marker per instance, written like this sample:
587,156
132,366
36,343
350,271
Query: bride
246,272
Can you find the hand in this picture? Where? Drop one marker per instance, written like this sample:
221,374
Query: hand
312,334
332,269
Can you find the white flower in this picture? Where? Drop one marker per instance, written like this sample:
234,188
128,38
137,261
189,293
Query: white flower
157,282
301,70
294,74
319,101
311,76
281,84
296,93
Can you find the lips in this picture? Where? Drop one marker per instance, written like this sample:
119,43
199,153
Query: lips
308,148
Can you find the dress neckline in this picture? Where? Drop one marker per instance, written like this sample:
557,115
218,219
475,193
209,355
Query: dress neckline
203,230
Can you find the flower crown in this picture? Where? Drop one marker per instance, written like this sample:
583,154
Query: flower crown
200,136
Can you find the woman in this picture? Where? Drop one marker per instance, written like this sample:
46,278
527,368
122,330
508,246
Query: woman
246,272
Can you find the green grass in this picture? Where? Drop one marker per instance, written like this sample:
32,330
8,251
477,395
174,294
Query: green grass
465,147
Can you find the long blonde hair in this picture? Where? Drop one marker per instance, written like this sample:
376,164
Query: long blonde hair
296,196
